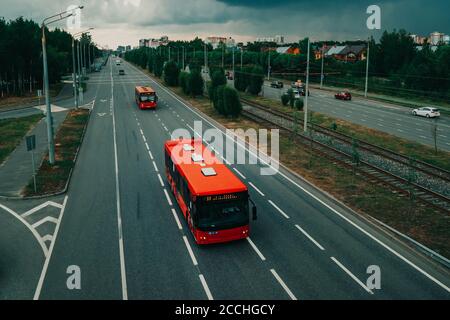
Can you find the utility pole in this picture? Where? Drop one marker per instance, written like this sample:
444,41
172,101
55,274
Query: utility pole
242,57
75,94
169,53
223,56
305,116
367,69
321,72
234,75
268,66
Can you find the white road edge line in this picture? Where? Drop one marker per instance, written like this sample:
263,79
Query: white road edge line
285,287
189,249
205,287
279,210
309,237
242,144
254,187
261,256
37,293
351,275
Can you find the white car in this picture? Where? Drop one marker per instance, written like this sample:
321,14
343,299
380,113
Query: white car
426,112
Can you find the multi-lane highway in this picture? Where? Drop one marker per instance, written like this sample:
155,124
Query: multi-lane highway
385,117
120,224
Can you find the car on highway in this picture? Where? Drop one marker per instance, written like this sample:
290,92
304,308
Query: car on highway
344,95
427,112
277,84
121,72
117,62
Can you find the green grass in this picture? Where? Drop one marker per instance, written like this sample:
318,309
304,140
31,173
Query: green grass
52,179
12,131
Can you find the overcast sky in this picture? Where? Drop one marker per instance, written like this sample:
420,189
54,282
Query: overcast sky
124,22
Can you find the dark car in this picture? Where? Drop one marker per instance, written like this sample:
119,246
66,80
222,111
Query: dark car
277,84
344,95
121,72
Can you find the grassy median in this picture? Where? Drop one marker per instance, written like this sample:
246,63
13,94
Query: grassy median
12,132
53,179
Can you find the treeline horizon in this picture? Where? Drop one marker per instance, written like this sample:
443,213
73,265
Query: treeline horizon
21,67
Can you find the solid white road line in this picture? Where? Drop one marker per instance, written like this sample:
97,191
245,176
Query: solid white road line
239,173
168,198
309,237
254,187
174,212
205,287
240,142
189,249
285,287
279,210
41,206
256,249
44,220
351,275
37,293
119,215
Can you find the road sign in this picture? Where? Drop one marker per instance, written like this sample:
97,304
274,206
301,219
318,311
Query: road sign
31,142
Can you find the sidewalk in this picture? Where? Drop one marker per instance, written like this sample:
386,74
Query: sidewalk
16,172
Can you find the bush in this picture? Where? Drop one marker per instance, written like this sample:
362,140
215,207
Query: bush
241,79
291,95
219,101
231,103
194,83
218,78
285,99
299,104
158,64
171,72
256,80
182,81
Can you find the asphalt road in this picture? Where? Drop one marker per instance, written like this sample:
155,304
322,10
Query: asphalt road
384,117
122,227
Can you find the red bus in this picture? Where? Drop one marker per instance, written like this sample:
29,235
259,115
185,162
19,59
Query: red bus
146,98
214,202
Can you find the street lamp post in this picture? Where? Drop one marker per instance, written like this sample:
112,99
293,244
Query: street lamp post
47,21
268,67
305,116
321,72
367,70
75,81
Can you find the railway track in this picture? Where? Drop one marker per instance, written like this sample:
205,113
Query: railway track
373,173
418,165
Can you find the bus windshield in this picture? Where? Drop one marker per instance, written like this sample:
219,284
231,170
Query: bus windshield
148,97
223,215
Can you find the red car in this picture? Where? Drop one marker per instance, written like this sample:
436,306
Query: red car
345,95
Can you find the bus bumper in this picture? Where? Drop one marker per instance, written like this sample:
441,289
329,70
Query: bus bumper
220,236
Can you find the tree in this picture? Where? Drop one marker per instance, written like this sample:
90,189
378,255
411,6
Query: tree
171,72
158,65
256,80
182,81
231,103
195,83
219,101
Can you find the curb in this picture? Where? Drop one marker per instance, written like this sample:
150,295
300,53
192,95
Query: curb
66,187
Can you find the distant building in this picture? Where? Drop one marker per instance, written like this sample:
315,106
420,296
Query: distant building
279,40
419,40
348,53
436,38
446,39
154,43
288,50
216,41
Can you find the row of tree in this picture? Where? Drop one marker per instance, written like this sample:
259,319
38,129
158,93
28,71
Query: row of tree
21,70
